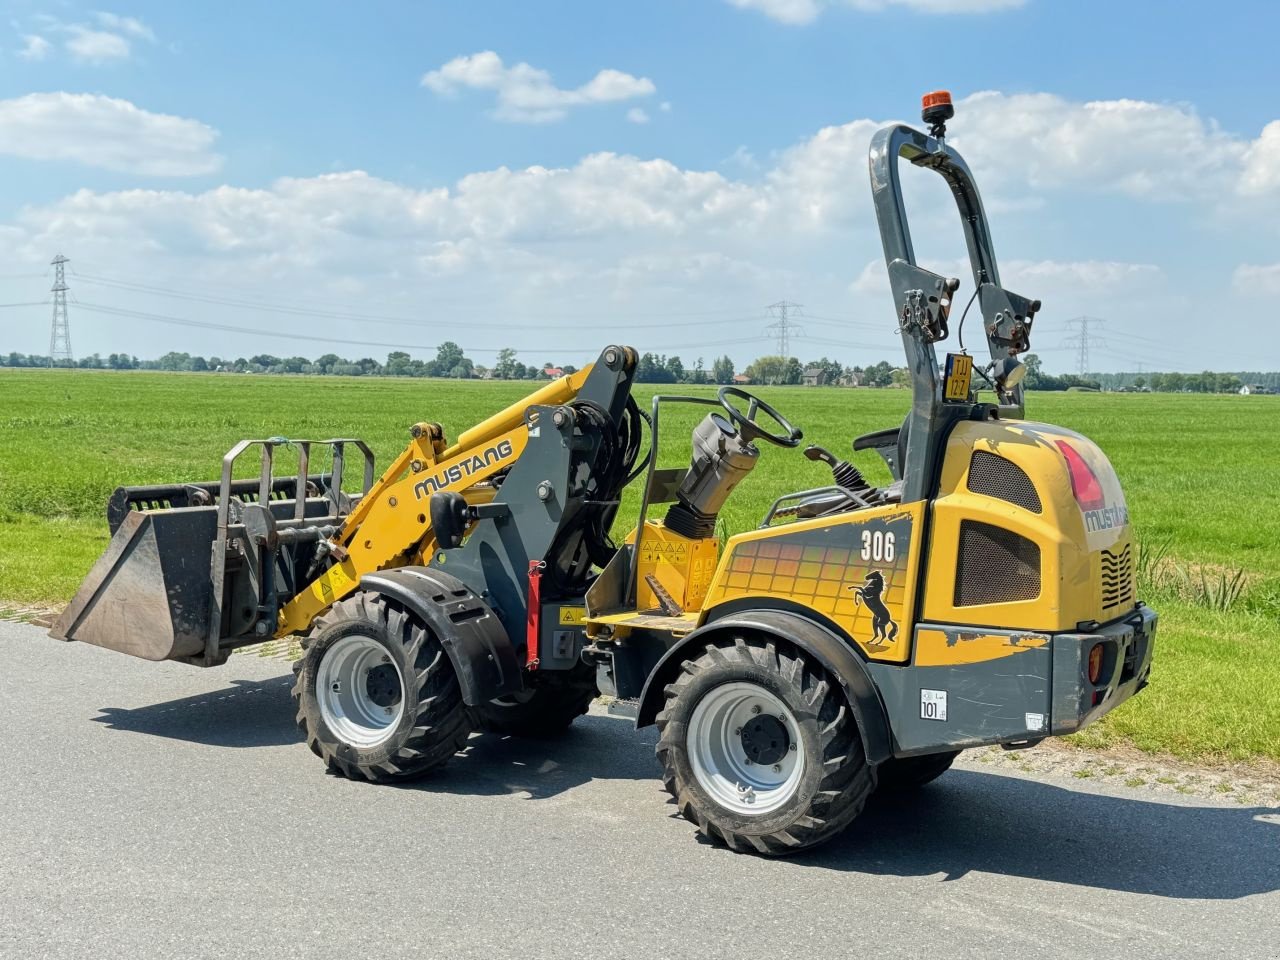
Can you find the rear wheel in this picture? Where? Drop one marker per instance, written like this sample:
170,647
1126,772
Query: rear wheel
544,710
375,694
759,748
900,774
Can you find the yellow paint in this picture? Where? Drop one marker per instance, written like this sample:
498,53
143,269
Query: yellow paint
1070,557
683,567
818,564
553,394
394,518
933,649
573,616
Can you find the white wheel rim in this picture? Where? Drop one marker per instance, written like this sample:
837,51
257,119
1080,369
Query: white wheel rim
716,750
360,691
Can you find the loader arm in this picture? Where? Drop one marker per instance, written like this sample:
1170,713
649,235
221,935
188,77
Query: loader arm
392,523
194,571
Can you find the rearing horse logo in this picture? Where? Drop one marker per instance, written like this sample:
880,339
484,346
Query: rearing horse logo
883,629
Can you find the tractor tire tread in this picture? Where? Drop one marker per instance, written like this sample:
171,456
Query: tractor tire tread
847,780
442,723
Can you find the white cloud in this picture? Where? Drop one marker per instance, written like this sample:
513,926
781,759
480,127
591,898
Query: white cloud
784,11
34,47
96,46
526,94
1036,278
1252,279
1262,163
614,235
107,39
105,132
1038,143
1158,151
637,115
129,25
806,11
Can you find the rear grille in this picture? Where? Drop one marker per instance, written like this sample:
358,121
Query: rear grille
994,476
1117,577
995,566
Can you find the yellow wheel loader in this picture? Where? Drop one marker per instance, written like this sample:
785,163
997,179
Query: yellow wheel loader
861,637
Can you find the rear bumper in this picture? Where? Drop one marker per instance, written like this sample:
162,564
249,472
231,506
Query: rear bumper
970,687
1126,667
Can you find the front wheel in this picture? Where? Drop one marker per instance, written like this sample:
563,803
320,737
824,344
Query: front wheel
759,748
376,696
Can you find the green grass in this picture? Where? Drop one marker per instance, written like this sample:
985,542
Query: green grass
1200,475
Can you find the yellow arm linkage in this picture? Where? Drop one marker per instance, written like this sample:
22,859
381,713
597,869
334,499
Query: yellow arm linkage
393,517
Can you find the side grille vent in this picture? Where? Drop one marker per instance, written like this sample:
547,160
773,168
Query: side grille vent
994,476
995,566
1117,577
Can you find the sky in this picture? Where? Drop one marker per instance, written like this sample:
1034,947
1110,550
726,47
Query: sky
554,175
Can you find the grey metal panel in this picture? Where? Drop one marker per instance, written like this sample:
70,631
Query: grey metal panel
148,594
1126,667
993,701
494,561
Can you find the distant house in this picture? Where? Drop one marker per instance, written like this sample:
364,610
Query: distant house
1253,388
741,378
555,373
814,377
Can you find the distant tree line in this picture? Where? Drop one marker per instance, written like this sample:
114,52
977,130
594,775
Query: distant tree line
451,362
1156,382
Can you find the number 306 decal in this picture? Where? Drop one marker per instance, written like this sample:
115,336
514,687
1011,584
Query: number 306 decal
878,546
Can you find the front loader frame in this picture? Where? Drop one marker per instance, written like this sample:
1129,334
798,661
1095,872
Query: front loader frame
257,533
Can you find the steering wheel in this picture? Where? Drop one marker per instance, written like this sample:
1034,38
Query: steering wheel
747,424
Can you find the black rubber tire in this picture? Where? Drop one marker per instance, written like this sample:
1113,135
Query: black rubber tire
546,710
902,774
435,723
837,779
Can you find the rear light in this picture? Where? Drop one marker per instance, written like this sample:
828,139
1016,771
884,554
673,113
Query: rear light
1084,482
1095,663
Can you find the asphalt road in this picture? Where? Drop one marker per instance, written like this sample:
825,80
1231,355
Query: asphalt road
160,810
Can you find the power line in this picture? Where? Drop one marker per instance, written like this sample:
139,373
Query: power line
294,308
290,335
784,328
298,311
60,335
1082,341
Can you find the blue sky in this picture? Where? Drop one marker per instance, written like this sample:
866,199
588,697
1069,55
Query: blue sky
555,175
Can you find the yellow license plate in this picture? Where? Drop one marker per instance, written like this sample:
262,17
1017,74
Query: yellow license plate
959,377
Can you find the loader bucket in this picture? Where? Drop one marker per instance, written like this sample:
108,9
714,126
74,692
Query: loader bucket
149,594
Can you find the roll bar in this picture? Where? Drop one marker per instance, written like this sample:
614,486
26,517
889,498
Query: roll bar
923,300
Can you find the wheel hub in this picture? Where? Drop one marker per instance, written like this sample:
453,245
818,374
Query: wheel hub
742,744
360,691
383,685
765,739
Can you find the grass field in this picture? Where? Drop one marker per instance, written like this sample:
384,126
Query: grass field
1201,476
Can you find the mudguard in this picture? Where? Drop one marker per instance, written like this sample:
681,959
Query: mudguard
814,639
482,654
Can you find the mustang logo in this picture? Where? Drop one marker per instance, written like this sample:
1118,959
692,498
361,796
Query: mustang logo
884,630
